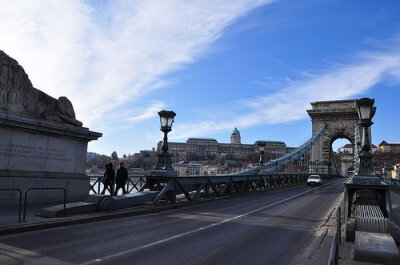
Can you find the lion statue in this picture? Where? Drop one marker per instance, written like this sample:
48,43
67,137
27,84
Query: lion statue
17,95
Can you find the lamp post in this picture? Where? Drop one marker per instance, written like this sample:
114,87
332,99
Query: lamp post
364,179
365,113
302,164
261,150
164,165
114,157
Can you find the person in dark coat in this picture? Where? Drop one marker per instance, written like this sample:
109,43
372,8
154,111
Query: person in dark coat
108,179
122,178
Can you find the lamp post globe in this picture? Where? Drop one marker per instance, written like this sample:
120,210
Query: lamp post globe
166,121
365,114
365,109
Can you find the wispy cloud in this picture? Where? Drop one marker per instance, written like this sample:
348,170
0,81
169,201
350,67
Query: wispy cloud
344,81
147,113
103,55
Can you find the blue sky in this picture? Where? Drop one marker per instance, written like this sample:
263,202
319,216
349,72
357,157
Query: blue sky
218,64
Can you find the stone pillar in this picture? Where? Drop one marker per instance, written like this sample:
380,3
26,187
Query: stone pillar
43,154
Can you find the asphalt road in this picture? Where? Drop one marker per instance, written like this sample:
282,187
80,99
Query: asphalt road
272,227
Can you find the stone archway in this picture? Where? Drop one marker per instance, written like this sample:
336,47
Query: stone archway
340,118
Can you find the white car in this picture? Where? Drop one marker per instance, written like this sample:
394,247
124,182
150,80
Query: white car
314,180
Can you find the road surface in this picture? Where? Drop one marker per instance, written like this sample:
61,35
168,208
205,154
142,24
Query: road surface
271,227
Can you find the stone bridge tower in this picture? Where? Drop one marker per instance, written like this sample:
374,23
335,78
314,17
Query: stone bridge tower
340,118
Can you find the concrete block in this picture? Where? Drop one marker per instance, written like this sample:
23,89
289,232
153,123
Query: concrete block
375,247
97,199
127,200
70,209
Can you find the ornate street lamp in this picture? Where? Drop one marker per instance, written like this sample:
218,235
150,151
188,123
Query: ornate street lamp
166,121
164,165
365,113
364,179
261,150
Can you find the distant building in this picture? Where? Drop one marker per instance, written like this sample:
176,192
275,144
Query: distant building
348,149
211,146
135,171
184,169
386,147
193,168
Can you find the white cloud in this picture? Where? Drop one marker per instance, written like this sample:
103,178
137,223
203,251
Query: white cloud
107,54
147,113
290,103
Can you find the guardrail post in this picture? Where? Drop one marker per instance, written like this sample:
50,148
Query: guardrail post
26,196
20,200
174,191
339,224
337,250
20,205
98,185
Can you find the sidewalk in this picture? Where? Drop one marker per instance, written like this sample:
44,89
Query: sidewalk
319,250
9,223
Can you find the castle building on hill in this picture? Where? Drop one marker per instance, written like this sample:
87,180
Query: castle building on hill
211,146
388,147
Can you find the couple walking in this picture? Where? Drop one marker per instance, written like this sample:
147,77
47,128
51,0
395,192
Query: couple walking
121,179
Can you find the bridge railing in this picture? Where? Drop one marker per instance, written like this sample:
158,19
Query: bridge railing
134,183
195,187
337,240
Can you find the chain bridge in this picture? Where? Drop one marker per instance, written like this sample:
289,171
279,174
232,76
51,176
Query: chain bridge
330,120
280,226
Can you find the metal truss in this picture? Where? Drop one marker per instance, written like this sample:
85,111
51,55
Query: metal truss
278,164
194,187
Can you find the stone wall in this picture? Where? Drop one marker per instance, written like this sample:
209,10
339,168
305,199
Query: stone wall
43,154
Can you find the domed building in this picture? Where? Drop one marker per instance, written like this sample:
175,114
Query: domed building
235,136
212,146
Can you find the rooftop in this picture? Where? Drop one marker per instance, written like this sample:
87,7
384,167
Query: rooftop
269,142
202,139
235,132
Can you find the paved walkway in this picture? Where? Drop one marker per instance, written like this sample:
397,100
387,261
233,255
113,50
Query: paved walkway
320,248
9,220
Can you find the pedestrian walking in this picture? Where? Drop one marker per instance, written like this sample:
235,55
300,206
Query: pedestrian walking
108,178
122,178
